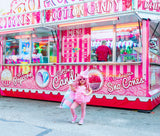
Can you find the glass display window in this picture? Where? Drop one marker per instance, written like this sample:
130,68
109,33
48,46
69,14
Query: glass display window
154,43
128,46
40,52
38,46
17,48
44,47
124,38
53,52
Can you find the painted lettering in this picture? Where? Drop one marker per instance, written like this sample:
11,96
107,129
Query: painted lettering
19,78
129,83
15,21
52,3
113,87
59,81
152,5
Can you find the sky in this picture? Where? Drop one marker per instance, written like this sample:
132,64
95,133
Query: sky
5,6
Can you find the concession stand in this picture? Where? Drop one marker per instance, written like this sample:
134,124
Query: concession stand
45,44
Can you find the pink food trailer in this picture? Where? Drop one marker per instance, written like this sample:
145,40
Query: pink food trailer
44,45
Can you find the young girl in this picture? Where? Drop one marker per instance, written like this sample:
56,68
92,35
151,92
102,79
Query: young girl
81,97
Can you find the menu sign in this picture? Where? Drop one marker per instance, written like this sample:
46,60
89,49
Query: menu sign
75,45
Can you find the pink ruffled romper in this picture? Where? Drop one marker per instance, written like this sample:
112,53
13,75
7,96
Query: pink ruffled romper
80,96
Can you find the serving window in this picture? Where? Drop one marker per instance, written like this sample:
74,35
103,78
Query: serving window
123,42
102,36
34,47
154,43
101,41
126,39
128,45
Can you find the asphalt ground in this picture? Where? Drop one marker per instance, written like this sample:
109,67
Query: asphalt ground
25,117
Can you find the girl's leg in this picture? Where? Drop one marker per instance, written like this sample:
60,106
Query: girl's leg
73,107
83,112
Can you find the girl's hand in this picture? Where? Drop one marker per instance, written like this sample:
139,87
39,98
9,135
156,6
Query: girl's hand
72,88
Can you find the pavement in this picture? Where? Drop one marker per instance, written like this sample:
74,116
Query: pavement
25,117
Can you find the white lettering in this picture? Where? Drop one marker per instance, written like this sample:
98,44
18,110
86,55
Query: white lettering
19,78
58,81
126,83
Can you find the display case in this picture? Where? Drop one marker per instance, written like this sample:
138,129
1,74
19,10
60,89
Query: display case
31,47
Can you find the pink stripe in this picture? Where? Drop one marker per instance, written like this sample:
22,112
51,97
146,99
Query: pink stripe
147,55
79,69
133,68
110,70
85,67
98,66
125,69
34,72
73,68
91,66
117,70
57,68
58,33
140,70
76,46
80,52
63,67
52,70
75,54
38,67
2,68
14,67
104,70
43,67
70,51
145,37
30,69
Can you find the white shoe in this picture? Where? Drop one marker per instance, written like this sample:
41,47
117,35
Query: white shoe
80,122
